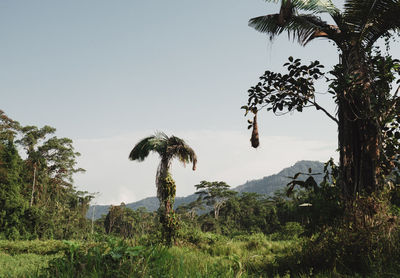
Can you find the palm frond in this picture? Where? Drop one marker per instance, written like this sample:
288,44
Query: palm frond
382,19
142,149
300,27
156,143
167,147
178,148
160,143
316,6
356,13
360,14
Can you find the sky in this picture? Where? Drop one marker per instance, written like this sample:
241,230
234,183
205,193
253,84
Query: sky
109,73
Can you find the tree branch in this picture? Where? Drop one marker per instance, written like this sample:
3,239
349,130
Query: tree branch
318,107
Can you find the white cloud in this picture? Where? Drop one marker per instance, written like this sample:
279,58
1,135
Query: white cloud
222,155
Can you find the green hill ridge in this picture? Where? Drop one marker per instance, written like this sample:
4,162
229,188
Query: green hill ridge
267,185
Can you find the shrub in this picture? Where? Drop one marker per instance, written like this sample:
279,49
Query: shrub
291,230
113,258
365,242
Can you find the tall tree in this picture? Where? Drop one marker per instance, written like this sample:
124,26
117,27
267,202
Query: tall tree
215,194
8,127
12,202
37,196
60,159
168,148
366,107
31,139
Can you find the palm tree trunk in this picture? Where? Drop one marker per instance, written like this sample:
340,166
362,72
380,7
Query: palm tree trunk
166,195
359,153
162,173
359,134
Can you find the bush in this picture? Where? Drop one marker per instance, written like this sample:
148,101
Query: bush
199,238
291,230
117,258
113,258
256,241
365,242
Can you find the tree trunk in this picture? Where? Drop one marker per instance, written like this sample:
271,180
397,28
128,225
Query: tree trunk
166,195
359,132
359,154
33,184
162,173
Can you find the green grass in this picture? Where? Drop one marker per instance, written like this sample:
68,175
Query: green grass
204,255
25,258
23,265
196,255
39,247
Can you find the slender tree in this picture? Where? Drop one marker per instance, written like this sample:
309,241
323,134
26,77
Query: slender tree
32,137
214,194
168,148
37,197
366,107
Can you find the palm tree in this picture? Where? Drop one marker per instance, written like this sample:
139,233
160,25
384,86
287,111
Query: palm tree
355,31
168,148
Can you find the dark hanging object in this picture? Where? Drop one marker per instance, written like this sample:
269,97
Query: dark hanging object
255,142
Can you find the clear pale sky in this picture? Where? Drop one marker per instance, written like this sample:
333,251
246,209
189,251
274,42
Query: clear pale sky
109,73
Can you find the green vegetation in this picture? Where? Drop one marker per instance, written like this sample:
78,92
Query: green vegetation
27,258
301,231
197,254
168,148
266,186
37,196
361,84
211,256
340,222
23,265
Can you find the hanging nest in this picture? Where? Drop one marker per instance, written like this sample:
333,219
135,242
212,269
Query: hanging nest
255,141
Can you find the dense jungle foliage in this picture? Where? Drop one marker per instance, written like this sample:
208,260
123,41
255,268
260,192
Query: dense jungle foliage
345,226
302,231
37,196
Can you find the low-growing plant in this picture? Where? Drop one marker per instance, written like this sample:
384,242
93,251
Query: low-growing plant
23,265
112,258
38,247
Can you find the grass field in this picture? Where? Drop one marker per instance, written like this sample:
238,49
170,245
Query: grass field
200,255
27,258
23,265
196,255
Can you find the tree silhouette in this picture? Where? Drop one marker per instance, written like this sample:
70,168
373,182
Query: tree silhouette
168,148
367,110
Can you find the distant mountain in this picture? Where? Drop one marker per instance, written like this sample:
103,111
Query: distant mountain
150,203
267,185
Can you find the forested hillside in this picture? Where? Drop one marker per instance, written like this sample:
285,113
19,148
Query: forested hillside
150,203
112,68
270,184
265,186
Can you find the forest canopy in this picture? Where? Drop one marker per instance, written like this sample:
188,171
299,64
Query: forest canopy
37,195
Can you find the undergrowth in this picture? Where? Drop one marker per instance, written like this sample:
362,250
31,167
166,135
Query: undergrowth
329,253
